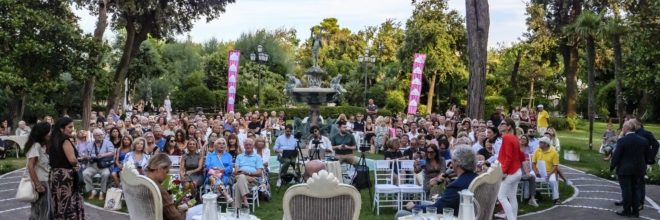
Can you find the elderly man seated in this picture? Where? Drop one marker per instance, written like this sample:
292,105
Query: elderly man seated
97,150
247,173
464,162
550,156
22,129
312,167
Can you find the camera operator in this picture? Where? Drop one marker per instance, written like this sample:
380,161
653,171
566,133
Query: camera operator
100,148
320,143
344,145
282,143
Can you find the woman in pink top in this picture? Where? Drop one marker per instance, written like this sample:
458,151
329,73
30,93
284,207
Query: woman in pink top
509,157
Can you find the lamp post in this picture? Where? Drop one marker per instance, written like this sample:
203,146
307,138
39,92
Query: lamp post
366,60
263,57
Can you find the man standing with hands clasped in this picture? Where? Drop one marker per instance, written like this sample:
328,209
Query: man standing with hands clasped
344,144
629,159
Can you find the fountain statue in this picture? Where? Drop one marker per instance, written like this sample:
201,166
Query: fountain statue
314,95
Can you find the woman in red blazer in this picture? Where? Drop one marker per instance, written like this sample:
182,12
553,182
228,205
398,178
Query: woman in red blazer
509,157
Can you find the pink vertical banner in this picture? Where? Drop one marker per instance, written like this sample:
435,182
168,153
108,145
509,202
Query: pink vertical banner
232,76
416,83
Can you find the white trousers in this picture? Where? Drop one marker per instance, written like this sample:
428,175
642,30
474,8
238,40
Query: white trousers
507,195
552,181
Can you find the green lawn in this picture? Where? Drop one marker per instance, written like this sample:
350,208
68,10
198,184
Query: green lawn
590,159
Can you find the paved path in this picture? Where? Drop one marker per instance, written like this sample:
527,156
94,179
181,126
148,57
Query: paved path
12,209
594,199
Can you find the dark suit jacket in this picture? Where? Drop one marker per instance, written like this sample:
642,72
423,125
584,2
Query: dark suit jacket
450,198
630,155
652,141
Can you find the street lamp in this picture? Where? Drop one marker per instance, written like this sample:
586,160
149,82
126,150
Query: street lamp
366,59
263,57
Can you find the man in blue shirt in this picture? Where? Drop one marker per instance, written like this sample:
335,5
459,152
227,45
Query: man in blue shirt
282,143
249,169
463,163
228,126
98,149
158,138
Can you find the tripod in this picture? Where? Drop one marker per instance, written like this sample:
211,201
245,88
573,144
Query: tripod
294,157
363,179
315,154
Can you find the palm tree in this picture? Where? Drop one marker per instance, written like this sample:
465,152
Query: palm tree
614,28
587,26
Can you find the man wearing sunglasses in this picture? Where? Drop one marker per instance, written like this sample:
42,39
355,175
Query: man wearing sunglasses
320,143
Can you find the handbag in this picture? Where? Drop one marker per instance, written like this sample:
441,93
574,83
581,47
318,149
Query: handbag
113,199
26,191
105,162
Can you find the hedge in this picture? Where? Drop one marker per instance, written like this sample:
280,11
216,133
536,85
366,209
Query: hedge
326,111
492,102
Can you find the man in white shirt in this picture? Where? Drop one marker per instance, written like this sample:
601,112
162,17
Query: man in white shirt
22,129
413,130
323,143
533,141
441,122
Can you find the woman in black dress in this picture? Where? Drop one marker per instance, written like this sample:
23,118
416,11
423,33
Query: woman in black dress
66,194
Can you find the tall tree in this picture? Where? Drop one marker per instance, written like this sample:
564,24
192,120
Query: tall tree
478,22
547,20
439,33
158,18
614,28
88,90
587,26
43,31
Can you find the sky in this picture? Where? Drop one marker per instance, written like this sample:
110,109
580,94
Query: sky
507,17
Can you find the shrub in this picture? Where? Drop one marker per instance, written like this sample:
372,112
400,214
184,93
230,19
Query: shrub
559,123
395,101
6,168
572,122
326,111
200,96
492,102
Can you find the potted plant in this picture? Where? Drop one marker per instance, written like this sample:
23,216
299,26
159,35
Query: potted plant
572,153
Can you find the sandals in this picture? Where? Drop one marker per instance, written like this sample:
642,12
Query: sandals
557,202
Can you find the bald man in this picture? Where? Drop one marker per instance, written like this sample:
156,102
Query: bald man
313,167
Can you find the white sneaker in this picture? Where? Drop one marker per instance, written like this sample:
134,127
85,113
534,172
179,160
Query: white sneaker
568,182
532,202
279,182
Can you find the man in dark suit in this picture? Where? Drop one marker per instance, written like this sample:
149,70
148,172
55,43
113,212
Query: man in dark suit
651,160
629,160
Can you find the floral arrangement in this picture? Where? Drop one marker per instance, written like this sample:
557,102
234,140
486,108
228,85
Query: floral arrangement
180,197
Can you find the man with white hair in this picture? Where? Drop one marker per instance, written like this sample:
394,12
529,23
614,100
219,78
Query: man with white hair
22,129
464,162
99,149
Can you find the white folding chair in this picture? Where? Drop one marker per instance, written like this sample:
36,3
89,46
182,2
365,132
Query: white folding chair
542,185
383,186
408,187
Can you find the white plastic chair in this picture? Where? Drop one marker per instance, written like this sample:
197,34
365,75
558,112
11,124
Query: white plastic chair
410,190
252,197
542,185
383,185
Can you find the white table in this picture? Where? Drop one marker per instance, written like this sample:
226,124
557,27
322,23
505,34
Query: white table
409,217
221,216
20,140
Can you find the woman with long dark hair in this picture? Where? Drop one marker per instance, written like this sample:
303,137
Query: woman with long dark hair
120,155
433,170
170,147
37,170
232,146
509,157
115,137
67,201
181,140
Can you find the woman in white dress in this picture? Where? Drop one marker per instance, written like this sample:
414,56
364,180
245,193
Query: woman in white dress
168,107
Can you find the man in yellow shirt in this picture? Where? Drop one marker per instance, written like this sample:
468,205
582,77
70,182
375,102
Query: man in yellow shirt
542,121
550,157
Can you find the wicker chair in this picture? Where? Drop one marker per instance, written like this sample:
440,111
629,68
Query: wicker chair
321,198
141,194
485,188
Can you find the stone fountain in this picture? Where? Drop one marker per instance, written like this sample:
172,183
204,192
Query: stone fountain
314,95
